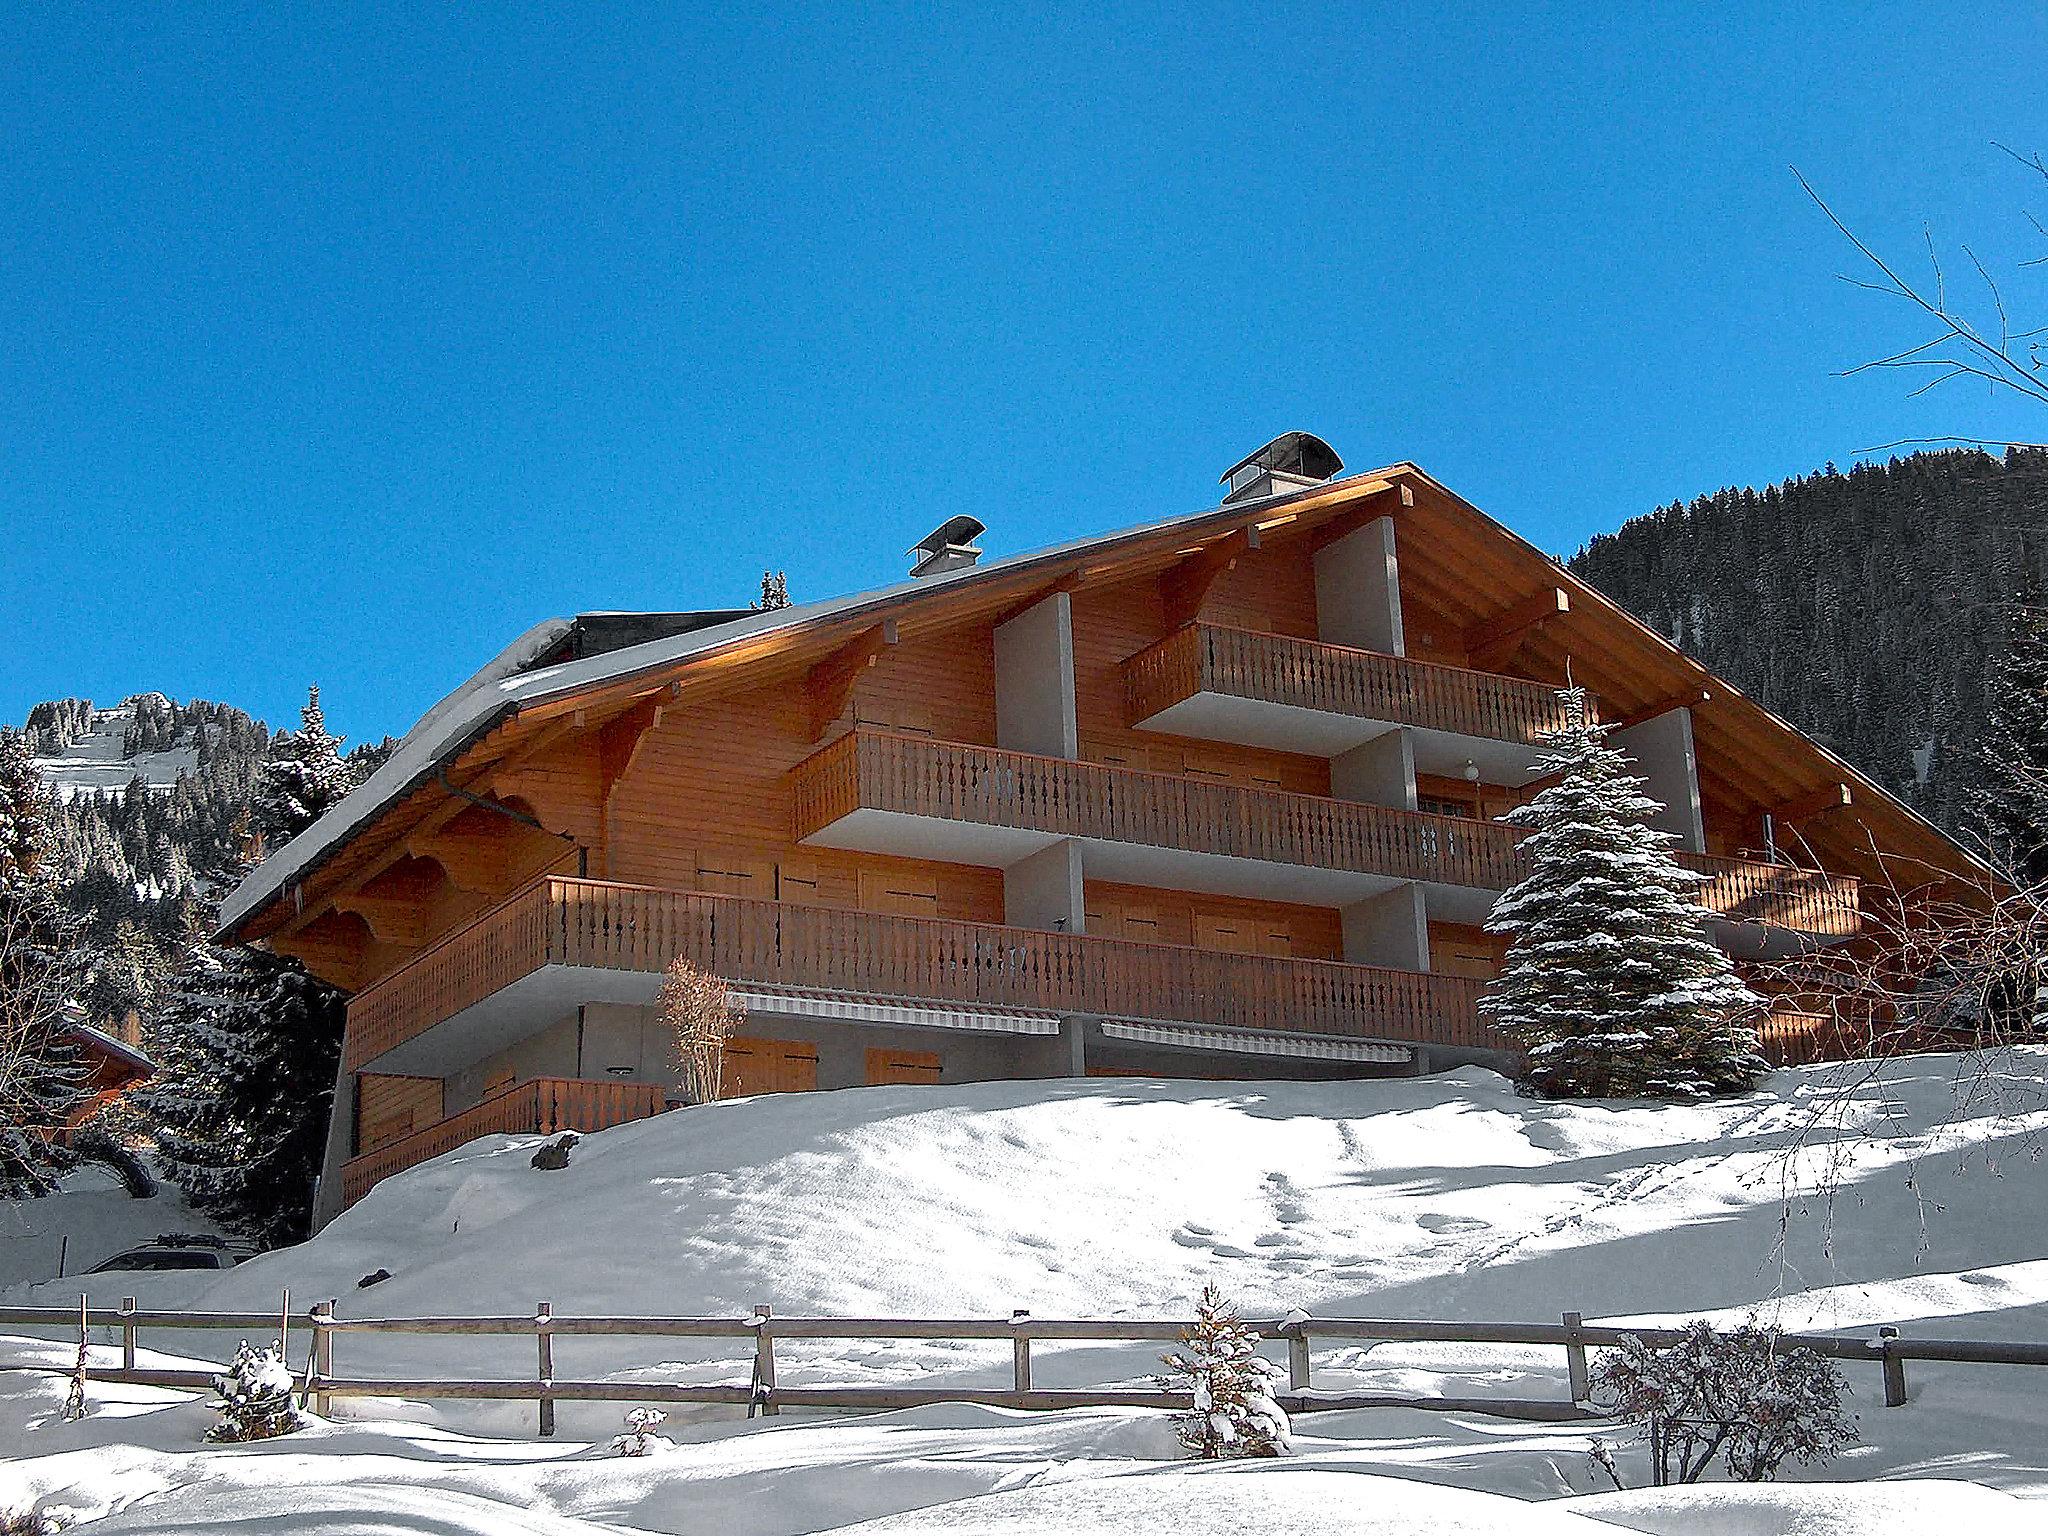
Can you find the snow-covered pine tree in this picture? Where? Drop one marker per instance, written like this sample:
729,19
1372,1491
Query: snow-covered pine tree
1610,980
1234,1413
304,777
774,591
255,1398
40,1081
247,1045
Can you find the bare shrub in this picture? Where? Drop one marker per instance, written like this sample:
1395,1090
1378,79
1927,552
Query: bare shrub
699,1014
1739,1397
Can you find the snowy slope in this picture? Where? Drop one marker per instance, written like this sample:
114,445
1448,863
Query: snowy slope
94,761
1446,1196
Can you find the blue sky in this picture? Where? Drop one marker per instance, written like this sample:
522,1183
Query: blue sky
342,348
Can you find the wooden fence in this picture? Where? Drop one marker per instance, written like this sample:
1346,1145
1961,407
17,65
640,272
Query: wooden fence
1887,1349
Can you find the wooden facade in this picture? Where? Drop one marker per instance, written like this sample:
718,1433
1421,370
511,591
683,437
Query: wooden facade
1188,800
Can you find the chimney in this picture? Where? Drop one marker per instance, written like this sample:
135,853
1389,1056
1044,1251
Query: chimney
1293,461
948,547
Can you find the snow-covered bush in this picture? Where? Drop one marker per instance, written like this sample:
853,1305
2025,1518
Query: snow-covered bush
640,1438
27,1522
255,1398
698,1012
1232,1384
1739,1396
1611,981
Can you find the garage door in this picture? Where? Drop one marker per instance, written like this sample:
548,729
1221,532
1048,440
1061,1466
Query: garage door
754,1065
902,1066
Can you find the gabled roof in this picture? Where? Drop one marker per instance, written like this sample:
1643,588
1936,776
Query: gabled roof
1496,566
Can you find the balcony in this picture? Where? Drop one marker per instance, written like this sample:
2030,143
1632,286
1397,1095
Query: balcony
544,1104
587,928
1219,684
879,792
1783,897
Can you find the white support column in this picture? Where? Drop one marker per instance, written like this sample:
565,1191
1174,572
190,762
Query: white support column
1035,709
1377,772
1044,890
1663,752
1358,590
1390,929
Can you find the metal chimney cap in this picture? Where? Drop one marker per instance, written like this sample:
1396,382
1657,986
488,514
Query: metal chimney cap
954,533
1291,453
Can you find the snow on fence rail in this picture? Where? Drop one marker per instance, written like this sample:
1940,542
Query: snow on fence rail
1888,1349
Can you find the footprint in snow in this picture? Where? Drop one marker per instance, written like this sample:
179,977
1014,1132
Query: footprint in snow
1434,1221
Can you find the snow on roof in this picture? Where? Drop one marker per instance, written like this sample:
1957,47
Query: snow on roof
111,1045
502,688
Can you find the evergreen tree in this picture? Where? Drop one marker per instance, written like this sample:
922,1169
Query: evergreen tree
305,777
1218,1363
40,1083
1610,981
247,1049
2010,800
774,591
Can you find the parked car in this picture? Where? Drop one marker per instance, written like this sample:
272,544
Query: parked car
173,1251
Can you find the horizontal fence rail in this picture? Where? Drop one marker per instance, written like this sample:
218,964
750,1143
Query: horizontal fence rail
1337,680
1887,1349
564,921
869,769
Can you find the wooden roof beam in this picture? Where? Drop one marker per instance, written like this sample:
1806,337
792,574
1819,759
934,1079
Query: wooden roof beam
1186,586
1071,582
1829,797
1386,502
830,683
1489,644
1685,698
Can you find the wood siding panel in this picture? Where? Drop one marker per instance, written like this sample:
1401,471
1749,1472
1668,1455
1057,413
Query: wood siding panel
389,1108
1117,911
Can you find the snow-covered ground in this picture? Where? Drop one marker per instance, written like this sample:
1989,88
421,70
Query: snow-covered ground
1444,1197
94,761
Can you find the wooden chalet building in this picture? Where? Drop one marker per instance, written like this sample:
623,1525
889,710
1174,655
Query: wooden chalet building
1209,798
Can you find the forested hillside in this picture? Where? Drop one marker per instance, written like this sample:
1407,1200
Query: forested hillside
155,818
1864,607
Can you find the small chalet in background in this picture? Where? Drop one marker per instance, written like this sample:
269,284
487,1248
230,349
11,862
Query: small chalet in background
113,1060
1210,797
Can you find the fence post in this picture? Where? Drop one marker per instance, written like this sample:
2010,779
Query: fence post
764,1360
544,1344
1575,1358
1894,1369
1020,1350
127,1333
1297,1355
323,1353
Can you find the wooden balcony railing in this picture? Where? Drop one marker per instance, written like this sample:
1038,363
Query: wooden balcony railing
917,776
1337,680
1780,895
914,775
545,1104
564,921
